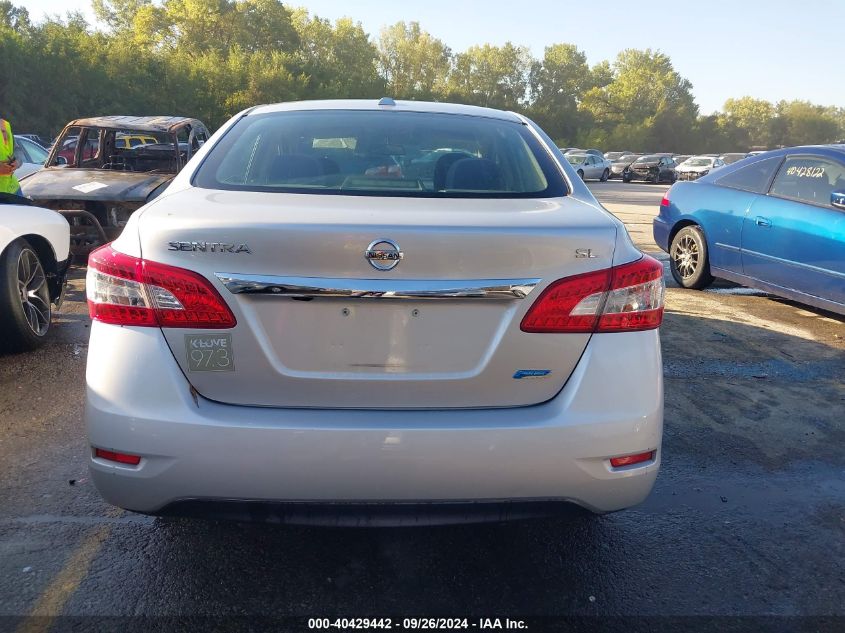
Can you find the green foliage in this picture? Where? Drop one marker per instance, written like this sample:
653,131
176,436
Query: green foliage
213,58
557,84
643,102
491,76
414,64
336,61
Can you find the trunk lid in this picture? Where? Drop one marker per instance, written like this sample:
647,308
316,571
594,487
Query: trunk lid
374,342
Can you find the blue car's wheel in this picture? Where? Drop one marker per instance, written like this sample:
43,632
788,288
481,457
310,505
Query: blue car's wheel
688,259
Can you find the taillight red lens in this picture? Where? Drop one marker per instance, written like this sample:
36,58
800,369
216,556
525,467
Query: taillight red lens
569,305
635,299
665,202
121,458
126,290
620,299
630,460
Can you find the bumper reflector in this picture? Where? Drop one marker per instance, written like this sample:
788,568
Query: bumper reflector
629,460
122,458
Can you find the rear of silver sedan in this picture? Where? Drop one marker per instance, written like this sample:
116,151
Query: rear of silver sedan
343,311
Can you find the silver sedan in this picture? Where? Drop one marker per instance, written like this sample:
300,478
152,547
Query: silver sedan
306,332
590,166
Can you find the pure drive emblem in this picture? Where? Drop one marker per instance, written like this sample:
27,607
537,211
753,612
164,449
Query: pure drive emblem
384,254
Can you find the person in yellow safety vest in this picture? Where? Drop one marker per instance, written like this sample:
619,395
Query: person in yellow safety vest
8,164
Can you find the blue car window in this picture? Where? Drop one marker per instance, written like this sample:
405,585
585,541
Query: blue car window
809,179
754,177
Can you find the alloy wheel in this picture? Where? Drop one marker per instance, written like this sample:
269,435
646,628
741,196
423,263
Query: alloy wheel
686,256
33,292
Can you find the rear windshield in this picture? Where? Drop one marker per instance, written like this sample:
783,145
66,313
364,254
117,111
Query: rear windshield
379,153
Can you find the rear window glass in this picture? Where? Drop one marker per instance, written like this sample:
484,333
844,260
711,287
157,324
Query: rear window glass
381,153
754,177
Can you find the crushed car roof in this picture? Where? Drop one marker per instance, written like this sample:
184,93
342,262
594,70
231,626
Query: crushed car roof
139,123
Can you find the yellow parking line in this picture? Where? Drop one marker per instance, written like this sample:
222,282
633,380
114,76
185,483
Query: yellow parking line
54,597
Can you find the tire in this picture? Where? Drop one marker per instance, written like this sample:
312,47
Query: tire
688,258
605,175
626,179
24,317
581,174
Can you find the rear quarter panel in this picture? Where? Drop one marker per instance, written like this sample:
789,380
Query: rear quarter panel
719,211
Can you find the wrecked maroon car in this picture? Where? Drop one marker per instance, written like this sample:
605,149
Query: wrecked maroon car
102,169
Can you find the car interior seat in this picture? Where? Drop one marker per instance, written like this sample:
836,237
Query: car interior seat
287,167
442,166
474,174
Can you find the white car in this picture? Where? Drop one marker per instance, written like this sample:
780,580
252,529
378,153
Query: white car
590,166
34,259
695,167
305,330
30,155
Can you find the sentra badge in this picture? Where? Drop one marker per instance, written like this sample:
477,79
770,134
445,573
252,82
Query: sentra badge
208,247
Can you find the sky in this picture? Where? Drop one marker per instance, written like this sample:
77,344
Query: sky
769,49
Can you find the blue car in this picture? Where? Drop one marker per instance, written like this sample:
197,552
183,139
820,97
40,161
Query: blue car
775,221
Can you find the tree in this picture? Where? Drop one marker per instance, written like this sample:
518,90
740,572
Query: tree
414,64
557,83
753,117
805,123
119,15
15,18
645,92
492,76
338,60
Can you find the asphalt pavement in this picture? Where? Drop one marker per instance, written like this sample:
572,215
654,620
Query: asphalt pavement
747,517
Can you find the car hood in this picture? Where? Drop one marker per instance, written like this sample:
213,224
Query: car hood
695,168
54,183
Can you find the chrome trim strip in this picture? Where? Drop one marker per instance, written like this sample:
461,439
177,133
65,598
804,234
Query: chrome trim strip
794,264
311,287
729,247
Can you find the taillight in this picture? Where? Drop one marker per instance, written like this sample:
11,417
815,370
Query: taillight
624,298
665,202
126,290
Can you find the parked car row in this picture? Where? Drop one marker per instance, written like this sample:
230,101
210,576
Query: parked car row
651,167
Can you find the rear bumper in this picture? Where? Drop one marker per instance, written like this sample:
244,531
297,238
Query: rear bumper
660,230
139,402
